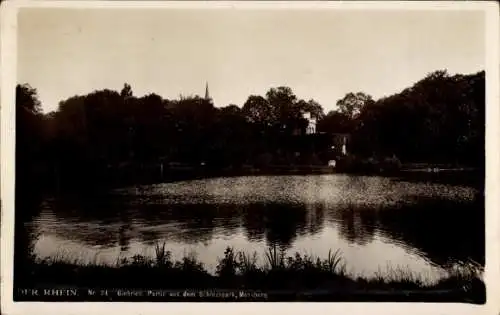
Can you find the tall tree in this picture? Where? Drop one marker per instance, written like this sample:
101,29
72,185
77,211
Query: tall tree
335,122
258,110
126,91
29,137
352,103
27,99
315,109
283,103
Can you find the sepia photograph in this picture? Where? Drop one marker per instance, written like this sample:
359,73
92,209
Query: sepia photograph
229,153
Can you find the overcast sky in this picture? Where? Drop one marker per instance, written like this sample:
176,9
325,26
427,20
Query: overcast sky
319,54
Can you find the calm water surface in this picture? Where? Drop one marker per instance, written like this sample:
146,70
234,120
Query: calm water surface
376,222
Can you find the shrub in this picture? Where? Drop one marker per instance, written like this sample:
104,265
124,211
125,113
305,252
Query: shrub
228,265
246,263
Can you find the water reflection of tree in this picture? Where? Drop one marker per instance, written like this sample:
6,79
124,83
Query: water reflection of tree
444,231
283,223
253,222
369,223
228,219
185,223
115,222
191,223
315,218
356,225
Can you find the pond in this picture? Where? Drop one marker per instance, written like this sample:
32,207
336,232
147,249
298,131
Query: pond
377,223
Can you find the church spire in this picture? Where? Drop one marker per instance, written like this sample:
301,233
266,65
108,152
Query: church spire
207,95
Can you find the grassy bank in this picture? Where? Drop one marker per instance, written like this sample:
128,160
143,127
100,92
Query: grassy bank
239,270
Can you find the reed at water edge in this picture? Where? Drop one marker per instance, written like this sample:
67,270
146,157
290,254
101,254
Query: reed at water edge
239,269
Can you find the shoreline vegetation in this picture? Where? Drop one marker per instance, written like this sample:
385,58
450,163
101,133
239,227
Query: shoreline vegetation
240,270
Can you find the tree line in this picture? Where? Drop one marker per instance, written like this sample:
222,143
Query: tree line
440,119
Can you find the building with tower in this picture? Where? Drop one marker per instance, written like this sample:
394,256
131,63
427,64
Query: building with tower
311,123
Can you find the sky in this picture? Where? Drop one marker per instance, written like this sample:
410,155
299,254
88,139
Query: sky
320,54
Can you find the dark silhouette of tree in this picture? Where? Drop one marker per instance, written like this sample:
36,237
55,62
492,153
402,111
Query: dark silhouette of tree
285,107
110,134
335,122
258,110
27,99
438,119
30,138
352,103
312,107
126,92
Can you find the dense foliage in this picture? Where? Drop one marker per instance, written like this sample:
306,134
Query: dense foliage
440,119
